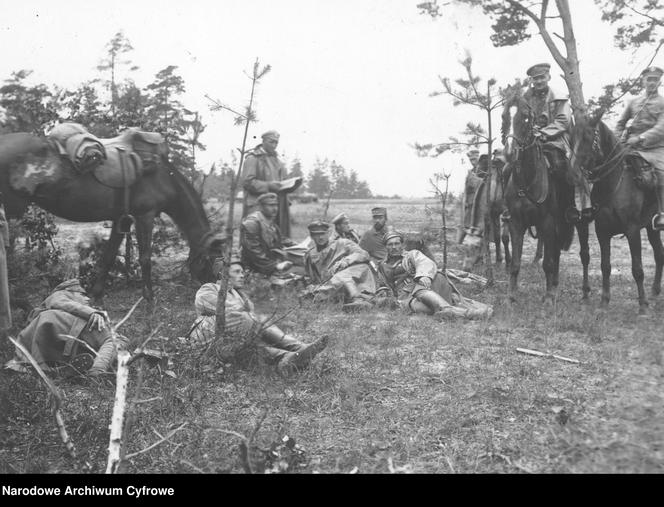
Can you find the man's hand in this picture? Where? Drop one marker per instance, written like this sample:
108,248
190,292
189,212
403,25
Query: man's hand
633,141
425,282
283,265
98,320
340,265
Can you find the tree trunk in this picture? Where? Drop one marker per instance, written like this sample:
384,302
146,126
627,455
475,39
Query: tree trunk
572,75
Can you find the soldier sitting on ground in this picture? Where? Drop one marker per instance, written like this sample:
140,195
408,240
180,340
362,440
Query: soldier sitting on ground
342,229
414,280
244,329
338,267
262,242
66,335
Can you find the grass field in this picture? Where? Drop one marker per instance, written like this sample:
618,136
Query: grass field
392,393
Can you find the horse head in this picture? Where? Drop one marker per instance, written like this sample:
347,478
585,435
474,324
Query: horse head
201,258
585,135
517,124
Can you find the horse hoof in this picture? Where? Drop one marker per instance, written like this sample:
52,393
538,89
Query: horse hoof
642,313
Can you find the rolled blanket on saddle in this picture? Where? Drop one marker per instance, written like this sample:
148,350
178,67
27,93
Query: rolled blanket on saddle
84,149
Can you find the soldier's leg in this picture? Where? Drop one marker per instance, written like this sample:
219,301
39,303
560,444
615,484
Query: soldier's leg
658,219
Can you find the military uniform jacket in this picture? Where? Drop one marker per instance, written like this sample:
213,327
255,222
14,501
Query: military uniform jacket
373,242
318,264
647,115
70,318
260,237
238,308
553,109
401,273
261,173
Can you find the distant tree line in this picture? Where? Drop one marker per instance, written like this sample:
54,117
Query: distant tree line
106,105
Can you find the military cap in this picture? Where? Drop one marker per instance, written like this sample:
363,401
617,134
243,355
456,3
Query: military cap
538,69
73,285
269,198
379,212
339,218
271,134
392,234
318,226
652,71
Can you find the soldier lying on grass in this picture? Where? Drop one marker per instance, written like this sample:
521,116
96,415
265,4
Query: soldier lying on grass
338,268
66,335
414,280
246,331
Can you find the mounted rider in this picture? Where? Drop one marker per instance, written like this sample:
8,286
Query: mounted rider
553,117
645,133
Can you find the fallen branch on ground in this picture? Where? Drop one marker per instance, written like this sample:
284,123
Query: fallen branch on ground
531,352
164,439
55,396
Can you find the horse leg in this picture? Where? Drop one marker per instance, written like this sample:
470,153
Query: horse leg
584,254
108,257
604,239
540,249
550,260
658,252
495,226
634,239
505,236
516,234
144,226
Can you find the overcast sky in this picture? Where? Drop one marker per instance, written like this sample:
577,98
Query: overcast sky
350,80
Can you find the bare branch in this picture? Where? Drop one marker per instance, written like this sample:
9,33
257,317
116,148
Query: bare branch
654,20
170,434
124,319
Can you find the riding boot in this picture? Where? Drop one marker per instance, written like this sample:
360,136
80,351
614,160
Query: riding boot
275,337
356,303
658,219
291,362
582,196
432,300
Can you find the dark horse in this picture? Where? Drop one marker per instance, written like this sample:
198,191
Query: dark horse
624,207
32,170
537,196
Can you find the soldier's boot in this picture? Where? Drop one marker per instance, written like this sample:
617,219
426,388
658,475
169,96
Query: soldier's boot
658,219
275,337
437,305
582,196
356,302
294,361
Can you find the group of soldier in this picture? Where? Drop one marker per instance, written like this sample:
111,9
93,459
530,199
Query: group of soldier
362,272
640,128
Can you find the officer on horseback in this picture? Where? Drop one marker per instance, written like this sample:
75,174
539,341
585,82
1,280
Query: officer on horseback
553,117
645,134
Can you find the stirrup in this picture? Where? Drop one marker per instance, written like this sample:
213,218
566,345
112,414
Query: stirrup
124,224
655,226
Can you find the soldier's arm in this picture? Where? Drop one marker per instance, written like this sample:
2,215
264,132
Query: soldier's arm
251,183
622,122
206,299
254,250
309,269
423,265
560,122
354,254
654,136
60,301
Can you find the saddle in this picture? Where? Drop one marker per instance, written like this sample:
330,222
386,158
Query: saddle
643,173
